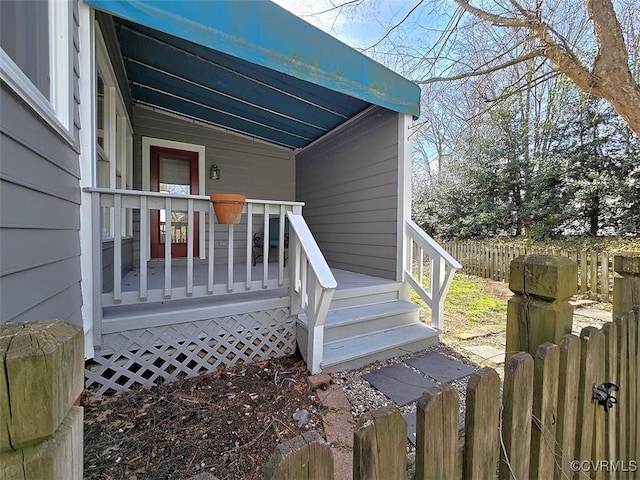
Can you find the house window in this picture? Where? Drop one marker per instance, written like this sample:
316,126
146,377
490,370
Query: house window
35,53
113,137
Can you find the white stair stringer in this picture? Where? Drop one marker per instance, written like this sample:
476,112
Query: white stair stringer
366,325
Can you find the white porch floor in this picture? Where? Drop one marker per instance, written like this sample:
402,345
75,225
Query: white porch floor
156,276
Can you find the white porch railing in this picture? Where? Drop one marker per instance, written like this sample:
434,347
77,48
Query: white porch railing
312,286
433,282
116,209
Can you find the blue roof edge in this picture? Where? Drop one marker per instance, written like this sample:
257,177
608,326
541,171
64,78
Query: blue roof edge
264,33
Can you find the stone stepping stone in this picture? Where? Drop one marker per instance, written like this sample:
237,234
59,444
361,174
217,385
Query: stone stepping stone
440,367
487,352
399,383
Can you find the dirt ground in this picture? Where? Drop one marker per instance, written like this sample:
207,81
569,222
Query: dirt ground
227,423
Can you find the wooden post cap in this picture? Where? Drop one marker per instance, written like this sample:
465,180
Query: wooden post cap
627,263
545,276
43,365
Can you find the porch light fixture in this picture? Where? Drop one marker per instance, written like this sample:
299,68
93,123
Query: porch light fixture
214,172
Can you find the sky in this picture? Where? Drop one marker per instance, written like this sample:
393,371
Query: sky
363,25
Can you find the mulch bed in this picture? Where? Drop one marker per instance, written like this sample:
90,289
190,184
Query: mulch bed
227,423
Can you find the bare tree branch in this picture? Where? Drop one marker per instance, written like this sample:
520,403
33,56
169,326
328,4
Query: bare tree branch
388,32
475,73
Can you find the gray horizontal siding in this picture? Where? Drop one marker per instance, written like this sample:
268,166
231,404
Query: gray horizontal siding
349,183
39,218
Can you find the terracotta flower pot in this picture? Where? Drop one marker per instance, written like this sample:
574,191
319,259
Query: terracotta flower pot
228,207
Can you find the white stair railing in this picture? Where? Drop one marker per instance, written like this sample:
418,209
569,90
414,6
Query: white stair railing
312,286
432,285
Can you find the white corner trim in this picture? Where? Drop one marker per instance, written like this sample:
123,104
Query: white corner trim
404,191
87,172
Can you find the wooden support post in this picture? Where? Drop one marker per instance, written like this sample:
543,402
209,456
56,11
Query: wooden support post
539,311
41,434
305,457
626,283
379,446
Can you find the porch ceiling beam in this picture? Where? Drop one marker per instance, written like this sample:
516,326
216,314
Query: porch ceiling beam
220,66
222,112
217,126
226,95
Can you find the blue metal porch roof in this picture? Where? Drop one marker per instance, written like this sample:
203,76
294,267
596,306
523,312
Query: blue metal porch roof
249,66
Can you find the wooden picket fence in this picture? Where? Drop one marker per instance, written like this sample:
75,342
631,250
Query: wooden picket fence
489,260
542,424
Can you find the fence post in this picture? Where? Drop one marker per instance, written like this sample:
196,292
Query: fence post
42,367
539,311
305,457
379,446
626,283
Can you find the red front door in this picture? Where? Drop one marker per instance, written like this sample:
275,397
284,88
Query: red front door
175,172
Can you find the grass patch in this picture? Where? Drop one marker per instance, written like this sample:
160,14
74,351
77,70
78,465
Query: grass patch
466,297
468,301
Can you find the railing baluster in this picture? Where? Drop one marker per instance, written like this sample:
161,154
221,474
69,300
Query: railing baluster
144,241
304,297
211,251
167,247
117,248
421,266
281,246
249,244
265,248
190,220
230,258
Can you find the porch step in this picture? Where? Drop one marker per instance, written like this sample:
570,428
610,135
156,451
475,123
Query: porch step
368,324
353,321
356,352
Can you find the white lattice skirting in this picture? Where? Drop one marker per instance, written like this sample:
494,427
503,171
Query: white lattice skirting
147,356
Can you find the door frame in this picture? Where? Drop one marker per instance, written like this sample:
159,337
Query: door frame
147,143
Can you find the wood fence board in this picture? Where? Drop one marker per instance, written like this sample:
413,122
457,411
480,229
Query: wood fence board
516,416
592,352
632,353
568,386
623,422
584,284
437,433
379,446
593,272
482,425
604,289
610,330
545,404
636,315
